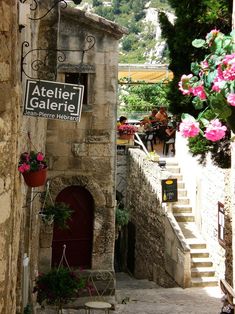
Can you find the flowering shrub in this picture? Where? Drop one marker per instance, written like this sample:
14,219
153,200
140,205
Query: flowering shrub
212,86
127,129
58,287
32,161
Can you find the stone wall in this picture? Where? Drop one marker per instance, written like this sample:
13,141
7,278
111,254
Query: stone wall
85,151
10,198
19,204
148,215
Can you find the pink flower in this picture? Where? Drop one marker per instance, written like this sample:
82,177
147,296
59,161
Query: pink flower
184,84
226,69
23,168
40,156
218,83
204,66
189,128
127,129
199,91
215,131
210,37
231,99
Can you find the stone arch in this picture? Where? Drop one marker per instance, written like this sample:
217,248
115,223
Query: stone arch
104,227
59,183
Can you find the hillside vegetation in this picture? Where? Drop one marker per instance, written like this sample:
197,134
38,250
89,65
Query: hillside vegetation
140,44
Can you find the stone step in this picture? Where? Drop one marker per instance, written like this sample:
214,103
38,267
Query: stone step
182,192
200,262
202,272
204,282
199,253
177,176
184,217
181,208
196,244
183,200
173,169
180,185
171,161
191,232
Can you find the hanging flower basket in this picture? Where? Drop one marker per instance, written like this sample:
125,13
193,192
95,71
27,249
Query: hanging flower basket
35,178
33,167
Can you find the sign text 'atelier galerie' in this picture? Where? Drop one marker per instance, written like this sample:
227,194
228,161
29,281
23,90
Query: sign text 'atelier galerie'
53,100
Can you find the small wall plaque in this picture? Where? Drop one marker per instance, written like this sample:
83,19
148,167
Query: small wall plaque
169,190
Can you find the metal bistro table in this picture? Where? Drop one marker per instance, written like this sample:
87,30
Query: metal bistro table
97,305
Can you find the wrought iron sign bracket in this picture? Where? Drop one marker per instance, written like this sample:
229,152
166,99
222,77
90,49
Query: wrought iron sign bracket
34,5
40,62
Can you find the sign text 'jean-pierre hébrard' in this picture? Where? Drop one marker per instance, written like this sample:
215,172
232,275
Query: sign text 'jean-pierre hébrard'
53,100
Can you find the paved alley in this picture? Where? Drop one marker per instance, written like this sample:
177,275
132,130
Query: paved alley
144,297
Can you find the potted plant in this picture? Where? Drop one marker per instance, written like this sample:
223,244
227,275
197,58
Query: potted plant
212,86
58,287
59,213
126,131
122,217
33,167
153,156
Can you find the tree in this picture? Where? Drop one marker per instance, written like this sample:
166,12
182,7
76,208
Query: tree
194,19
143,97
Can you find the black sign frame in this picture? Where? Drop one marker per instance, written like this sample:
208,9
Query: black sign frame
169,190
53,100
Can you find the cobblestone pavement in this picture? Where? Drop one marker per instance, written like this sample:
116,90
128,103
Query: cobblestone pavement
144,297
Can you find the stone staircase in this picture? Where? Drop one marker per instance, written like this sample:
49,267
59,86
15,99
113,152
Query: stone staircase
202,272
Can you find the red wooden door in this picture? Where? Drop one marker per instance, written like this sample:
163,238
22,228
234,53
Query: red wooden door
78,238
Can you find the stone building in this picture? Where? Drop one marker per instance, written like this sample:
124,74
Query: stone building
81,154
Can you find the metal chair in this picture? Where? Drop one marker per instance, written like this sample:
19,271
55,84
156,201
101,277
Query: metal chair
149,137
102,284
166,145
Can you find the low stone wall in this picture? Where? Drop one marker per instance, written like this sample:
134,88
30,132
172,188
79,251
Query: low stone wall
155,237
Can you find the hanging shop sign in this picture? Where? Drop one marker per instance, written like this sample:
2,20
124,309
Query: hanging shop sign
169,190
53,100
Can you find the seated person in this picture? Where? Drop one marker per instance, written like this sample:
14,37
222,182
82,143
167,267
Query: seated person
122,120
152,117
170,131
161,116
146,125
169,137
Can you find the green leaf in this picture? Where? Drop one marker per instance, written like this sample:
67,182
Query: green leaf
195,67
198,43
209,78
204,121
220,106
198,103
186,116
233,34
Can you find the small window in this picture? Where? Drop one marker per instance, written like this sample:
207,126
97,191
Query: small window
80,79
221,226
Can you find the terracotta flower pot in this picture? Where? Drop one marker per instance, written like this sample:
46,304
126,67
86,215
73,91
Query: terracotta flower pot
35,178
123,136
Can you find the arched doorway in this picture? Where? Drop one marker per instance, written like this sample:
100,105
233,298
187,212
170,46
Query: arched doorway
78,237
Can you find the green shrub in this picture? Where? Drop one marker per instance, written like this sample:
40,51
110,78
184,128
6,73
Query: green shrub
122,216
60,212
58,287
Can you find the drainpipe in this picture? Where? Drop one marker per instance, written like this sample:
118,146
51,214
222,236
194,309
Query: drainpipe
25,280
